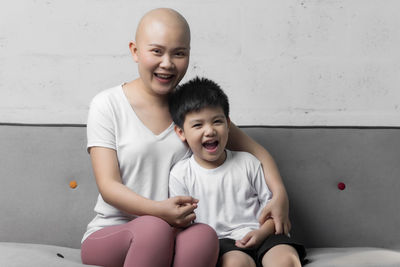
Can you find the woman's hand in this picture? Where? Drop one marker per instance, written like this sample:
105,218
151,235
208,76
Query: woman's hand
278,209
178,211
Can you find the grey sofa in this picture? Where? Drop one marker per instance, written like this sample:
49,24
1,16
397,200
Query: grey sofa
42,219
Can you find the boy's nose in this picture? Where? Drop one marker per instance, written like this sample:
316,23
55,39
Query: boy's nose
209,131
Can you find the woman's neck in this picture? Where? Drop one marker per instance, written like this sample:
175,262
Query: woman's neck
139,95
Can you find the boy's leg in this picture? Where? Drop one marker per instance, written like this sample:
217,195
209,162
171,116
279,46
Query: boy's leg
281,250
196,246
281,255
146,242
230,255
236,258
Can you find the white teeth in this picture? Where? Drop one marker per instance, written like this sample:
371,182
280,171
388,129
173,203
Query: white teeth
164,76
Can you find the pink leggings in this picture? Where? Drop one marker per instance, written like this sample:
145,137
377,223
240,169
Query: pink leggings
149,241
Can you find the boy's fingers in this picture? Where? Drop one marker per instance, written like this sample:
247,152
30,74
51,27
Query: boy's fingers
239,244
249,243
244,240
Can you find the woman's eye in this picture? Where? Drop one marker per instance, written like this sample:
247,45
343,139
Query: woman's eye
180,54
197,125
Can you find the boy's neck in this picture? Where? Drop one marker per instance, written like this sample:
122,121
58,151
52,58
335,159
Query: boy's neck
211,164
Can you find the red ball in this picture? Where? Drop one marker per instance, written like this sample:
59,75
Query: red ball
341,186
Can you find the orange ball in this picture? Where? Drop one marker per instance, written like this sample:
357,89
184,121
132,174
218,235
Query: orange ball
73,184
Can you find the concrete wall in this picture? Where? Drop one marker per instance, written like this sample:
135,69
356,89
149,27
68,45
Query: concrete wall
289,62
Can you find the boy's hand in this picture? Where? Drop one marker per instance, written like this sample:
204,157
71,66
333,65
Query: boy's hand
278,209
253,239
178,211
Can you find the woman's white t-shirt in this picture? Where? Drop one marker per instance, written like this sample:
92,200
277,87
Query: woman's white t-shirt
145,159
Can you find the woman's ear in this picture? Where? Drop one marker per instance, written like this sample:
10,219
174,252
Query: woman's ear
134,51
181,134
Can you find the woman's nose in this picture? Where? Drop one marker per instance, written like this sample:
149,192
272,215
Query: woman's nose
166,62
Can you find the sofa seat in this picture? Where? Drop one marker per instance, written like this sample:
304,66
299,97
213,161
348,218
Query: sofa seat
353,257
333,222
35,255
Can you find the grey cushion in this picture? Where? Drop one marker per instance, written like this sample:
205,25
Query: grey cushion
353,257
39,207
34,255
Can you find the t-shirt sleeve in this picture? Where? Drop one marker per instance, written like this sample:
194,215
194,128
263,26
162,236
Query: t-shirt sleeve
100,124
259,184
177,186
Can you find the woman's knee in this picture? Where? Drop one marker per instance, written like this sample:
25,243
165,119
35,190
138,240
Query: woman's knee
196,246
151,228
203,233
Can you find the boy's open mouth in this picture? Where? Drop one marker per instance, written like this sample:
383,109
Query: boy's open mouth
210,146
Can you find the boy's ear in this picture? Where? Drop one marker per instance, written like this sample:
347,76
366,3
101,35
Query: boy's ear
228,121
179,131
133,49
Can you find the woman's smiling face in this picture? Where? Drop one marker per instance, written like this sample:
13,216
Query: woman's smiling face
162,51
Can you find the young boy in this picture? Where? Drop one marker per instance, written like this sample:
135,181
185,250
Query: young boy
230,185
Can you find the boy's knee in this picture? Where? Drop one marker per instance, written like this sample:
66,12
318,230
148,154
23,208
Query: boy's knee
237,258
282,255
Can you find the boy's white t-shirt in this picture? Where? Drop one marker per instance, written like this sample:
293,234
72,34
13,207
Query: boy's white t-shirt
145,159
231,196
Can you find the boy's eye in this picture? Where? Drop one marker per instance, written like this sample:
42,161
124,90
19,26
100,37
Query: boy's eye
197,125
218,121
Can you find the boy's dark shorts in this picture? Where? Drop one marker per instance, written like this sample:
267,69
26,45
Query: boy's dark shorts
227,244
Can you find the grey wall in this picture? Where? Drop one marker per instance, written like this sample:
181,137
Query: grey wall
287,62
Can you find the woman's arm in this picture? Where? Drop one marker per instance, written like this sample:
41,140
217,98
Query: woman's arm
278,206
106,171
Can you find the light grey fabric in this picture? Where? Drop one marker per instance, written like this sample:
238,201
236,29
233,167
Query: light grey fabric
36,203
38,206
35,255
353,257
312,162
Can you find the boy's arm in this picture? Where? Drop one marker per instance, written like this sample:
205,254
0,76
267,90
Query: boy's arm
278,206
256,237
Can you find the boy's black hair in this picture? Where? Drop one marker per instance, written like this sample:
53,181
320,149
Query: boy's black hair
195,95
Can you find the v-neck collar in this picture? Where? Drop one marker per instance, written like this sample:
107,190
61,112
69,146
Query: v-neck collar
157,136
